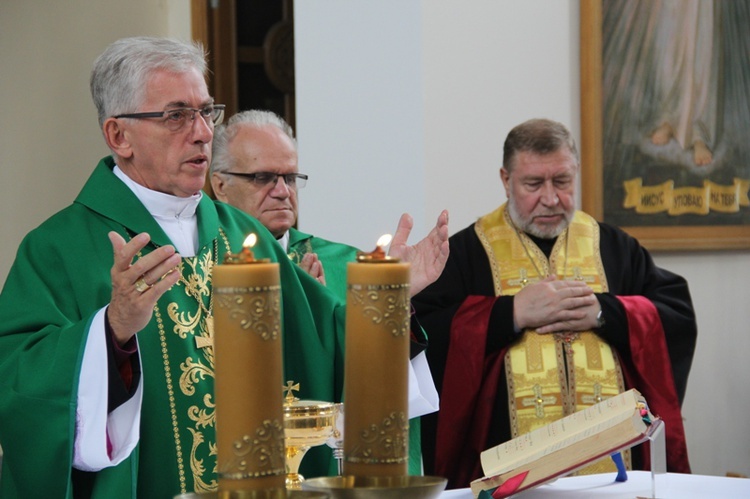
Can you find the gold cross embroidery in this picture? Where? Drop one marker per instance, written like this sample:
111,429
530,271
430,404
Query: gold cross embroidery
207,340
539,401
203,342
523,280
578,275
595,398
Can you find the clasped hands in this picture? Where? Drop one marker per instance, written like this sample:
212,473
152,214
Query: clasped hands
312,265
552,305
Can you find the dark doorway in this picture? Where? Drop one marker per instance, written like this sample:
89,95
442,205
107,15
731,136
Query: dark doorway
250,46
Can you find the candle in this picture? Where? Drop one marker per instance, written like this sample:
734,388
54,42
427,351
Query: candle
376,425
248,370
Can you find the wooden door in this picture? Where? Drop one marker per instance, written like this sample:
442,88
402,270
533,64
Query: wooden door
250,47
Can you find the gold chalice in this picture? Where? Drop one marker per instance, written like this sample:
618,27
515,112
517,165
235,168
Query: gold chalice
307,423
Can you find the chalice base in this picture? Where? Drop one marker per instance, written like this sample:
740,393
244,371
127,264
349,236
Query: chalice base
294,455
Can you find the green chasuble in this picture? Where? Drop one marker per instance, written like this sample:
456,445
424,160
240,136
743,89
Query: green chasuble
61,278
334,257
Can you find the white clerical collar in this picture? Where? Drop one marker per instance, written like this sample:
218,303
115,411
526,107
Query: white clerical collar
284,241
175,215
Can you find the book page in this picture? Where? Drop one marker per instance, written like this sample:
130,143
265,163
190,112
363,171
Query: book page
559,434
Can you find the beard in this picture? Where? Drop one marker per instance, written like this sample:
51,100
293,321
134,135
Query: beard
528,226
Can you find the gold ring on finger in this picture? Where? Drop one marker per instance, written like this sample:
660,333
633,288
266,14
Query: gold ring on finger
141,285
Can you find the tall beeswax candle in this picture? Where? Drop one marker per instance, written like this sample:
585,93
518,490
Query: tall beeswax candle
248,370
376,425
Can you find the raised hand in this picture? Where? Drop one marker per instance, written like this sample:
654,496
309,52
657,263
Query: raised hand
136,287
427,257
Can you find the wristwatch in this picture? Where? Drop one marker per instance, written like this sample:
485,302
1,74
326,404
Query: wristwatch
600,318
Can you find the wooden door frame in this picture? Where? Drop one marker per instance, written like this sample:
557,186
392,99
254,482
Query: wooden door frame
213,24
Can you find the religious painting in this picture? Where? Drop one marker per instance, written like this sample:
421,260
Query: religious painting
665,120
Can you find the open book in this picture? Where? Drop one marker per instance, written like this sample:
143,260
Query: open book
565,445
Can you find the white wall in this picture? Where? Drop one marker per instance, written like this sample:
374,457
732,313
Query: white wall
50,140
718,399
361,120
421,92
485,65
484,74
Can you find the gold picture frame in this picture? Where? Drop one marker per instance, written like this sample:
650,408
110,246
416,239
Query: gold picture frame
720,230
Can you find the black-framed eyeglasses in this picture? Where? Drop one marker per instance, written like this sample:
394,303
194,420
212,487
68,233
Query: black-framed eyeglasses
261,179
175,119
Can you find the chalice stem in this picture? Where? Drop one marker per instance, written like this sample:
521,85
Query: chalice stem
294,455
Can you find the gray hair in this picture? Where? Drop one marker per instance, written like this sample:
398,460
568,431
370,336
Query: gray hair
538,136
223,135
120,73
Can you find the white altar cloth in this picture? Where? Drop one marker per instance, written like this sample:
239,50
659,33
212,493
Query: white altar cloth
603,486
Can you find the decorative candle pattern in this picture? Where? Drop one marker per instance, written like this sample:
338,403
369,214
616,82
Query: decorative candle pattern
249,405
376,426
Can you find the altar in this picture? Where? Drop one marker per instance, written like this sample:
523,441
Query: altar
603,486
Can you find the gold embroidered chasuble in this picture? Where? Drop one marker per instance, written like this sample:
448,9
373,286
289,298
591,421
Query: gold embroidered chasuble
184,321
551,375
59,281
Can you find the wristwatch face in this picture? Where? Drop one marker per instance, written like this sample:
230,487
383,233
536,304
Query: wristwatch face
600,318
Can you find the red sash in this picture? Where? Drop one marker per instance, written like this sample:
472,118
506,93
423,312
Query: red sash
470,387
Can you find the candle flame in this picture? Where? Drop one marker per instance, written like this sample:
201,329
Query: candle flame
250,240
246,255
378,254
384,240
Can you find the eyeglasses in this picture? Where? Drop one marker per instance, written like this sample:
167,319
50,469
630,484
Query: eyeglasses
175,119
261,179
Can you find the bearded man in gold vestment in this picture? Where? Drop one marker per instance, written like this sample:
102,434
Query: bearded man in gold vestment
542,311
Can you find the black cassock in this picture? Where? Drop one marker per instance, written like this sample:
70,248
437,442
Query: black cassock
466,288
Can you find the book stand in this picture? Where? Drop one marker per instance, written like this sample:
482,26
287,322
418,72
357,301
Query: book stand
658,454
573,442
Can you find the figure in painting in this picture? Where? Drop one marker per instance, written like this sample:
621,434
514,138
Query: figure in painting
686,75
662,61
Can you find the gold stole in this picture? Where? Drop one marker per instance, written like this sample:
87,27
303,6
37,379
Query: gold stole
184,317
551,375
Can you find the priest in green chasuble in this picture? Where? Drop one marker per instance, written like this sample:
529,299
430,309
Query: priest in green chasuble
106,315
